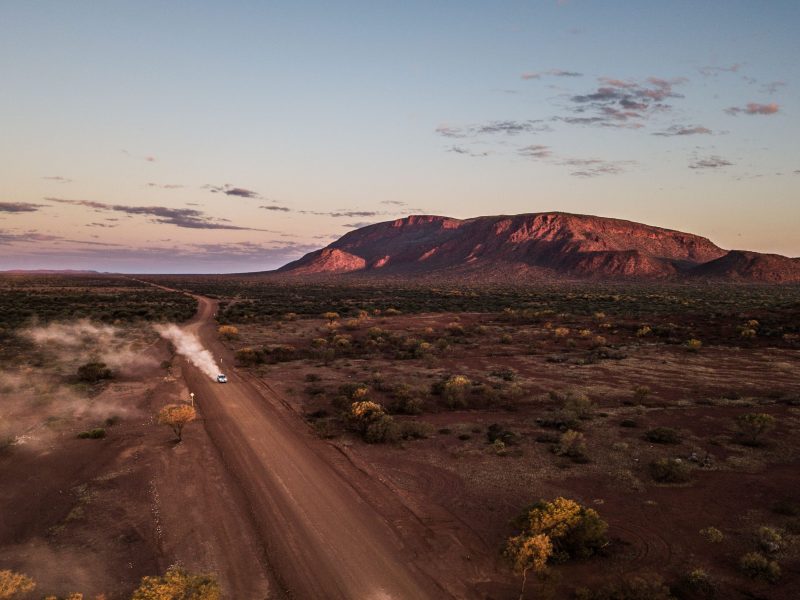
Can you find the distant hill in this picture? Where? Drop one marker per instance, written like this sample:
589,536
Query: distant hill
48,272
538,245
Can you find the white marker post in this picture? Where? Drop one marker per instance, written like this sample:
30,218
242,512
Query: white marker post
191,397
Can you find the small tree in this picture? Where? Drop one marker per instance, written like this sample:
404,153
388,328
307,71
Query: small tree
13,584
529,552
177,584
176,416
753,427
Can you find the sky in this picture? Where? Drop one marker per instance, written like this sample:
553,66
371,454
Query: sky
212,137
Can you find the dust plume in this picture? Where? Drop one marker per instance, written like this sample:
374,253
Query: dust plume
83,340
189,346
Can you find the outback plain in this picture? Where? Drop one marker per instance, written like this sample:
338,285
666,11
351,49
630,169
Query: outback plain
379,439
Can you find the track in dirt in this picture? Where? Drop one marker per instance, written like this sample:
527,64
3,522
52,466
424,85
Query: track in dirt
323,538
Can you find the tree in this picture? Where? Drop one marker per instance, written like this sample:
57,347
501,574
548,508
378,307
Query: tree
12,584
95,371
178,584
529,552
176,416
753,426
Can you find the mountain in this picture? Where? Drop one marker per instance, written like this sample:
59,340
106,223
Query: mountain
741,265
540,245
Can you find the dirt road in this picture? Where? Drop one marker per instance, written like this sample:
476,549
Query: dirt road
323,539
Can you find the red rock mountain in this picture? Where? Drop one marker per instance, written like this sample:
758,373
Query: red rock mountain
549,244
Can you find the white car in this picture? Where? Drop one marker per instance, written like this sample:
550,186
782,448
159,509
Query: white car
221,378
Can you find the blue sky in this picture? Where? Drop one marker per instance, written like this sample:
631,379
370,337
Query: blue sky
216,137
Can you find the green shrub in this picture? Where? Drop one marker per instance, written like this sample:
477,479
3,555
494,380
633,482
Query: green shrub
415,430
630,588
92,434
712,534
572,445
382,430
92,372
663,435
496,431
757,566
753,427
770,540
695,585
575,530
670,470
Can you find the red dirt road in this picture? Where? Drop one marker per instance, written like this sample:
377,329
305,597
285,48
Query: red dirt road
323,538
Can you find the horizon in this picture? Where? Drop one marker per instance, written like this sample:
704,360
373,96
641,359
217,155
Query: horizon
143,138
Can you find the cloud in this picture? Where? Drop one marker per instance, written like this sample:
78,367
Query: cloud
553,72
358,225
535,151
773,87
355,213
230,190
712,162
147,158
621,103
58,178
188,218
466,151
166,186
678,130
508,127
713,71
595,167
275,208
754,108
348,213
394,202
18,207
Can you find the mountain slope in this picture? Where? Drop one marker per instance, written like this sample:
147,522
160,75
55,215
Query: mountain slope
551,244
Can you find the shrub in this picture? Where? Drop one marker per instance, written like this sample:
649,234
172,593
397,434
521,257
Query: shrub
571,444
178,584
753,427
92,372
712,534
643,331
574,530
455,391
382,430
693,345
630,588
330,316
92,434
640,393
415,430
757,566
769,540
628,423
670,470
12,583
370,420
496,432
695,585
663,435
229,332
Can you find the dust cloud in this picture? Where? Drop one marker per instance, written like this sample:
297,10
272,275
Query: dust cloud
188,345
